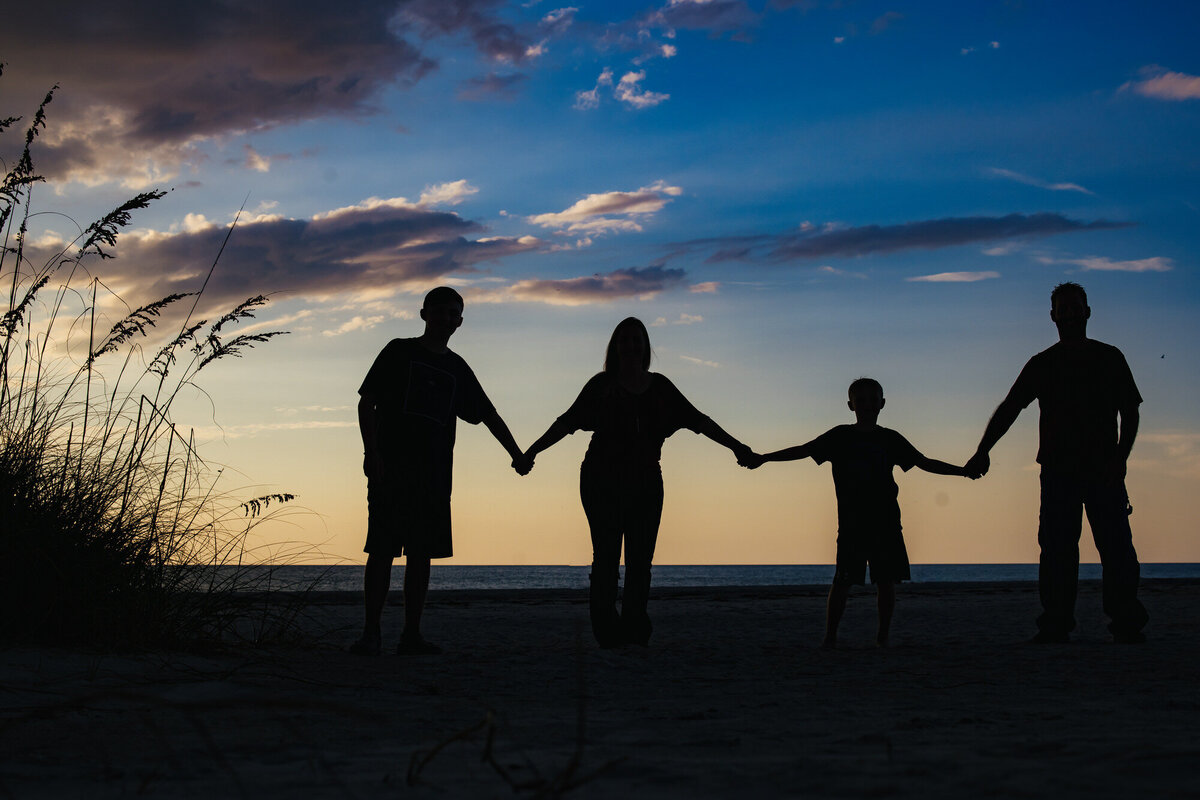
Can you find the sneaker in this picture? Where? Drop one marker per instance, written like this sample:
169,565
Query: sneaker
416,646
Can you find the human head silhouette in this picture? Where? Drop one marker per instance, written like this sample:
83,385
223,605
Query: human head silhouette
1069,310
866,399
629,344
442,312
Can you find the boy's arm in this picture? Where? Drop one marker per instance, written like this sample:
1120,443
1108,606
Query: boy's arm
496,425
786,454
366,428
942,468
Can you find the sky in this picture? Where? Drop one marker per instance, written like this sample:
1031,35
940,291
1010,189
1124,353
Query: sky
790,194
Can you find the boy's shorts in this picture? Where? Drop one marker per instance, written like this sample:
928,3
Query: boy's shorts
400,524
883,550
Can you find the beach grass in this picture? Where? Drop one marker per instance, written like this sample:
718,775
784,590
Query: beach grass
112,522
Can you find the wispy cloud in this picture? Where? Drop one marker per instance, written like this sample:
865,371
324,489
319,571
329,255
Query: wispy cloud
810,243
684,319
1038,182
955,277
1104,264
707,287
447,194
634,282
608,212
701,362
629,92
1163,84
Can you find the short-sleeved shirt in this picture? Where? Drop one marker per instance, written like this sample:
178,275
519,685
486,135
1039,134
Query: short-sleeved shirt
629,428
419,397
1080,388
862,474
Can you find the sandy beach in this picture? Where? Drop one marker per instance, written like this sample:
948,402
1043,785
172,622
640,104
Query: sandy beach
733,698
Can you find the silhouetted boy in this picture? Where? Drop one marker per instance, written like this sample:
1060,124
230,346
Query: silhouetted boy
409,402
863,455
1082,387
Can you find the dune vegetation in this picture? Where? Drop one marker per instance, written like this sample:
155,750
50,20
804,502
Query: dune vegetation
114,531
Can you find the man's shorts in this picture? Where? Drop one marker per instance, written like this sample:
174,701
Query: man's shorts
883,550
400,524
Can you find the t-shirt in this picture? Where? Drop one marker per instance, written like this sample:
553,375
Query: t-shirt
862,473
1080,387
419,397
629,428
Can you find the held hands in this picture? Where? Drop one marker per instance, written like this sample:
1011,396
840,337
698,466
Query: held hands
748,458
977,465
523,463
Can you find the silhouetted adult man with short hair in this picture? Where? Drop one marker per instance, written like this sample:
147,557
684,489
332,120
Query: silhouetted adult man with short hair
1082,387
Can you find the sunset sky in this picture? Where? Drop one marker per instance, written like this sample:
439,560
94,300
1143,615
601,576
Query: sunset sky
790,194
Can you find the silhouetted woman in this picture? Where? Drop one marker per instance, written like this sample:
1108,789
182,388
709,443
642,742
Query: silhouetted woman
630,411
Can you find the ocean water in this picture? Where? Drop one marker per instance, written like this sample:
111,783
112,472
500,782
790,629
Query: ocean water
349,578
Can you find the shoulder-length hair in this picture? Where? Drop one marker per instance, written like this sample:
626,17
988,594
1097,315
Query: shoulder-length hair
612,358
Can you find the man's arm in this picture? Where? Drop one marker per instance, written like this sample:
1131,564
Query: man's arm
1002,419
1130,419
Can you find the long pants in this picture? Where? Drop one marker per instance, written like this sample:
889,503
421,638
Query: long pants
1064,496
624,506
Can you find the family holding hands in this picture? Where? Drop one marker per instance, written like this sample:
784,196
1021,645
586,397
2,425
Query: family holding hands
417,388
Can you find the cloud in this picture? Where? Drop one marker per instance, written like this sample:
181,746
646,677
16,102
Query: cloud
708,287
1175,453
356,323
589,99
1038,182
715,16
955,277
701,362
491,85
377,245
642,283
607,212
1102,264
632,95
138,99
1162,84
885,21
813,243
447,194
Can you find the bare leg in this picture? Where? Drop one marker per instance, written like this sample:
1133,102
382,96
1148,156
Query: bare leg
416,587
377,578
887,604
834,609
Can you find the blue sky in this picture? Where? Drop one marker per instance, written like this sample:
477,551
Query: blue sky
790,194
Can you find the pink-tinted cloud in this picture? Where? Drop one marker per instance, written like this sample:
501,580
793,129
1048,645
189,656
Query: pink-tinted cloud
644,282
374,246
149,91
812,243
1162,84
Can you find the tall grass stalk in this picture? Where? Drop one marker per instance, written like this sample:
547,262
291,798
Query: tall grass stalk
112,527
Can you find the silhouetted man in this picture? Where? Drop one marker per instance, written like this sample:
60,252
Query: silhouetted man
409,403
1083,387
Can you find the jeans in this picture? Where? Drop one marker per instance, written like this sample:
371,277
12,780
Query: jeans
621,505
1064,497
